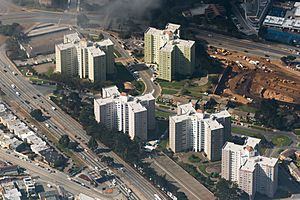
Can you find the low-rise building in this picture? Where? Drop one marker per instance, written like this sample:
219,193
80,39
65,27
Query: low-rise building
294,170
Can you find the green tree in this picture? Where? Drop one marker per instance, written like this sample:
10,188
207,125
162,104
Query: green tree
92,144
73,145
37,115
108,160
181,196
64,141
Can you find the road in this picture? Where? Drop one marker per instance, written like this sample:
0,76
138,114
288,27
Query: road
66,125
235,44
183,180
145,73
57,178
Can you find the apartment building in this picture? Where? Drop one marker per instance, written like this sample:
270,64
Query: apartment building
96,64
79,57
172,54
193,130
120,111
253,173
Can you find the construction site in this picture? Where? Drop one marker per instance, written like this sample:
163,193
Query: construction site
247,78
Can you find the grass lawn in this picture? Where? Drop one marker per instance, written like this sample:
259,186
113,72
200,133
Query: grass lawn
163,114
194,159
194,90
117,54
37,80
281,140
242,131
202,168
169,91
139,86
297,132
162,145
247,108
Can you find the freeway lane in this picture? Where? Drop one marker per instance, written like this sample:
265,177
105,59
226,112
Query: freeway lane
235,44
70,126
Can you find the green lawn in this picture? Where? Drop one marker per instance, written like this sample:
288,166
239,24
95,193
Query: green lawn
297,131
247,108
194,90
163,114
169,91
117,54
242,131
202,168
281,140
194,159
162,145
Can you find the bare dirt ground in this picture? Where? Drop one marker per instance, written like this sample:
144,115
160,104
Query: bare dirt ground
263,79
2,39
44,68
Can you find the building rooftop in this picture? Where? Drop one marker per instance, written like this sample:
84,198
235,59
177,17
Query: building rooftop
105,42
153,31
186,43
213,124
172,27
136,107
146,97
95,52
168,47
110,91
73,37
65,46
222,114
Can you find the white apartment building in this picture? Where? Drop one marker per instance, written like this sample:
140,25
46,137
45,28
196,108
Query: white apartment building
171,54
120,111
253,173
78,57
192,130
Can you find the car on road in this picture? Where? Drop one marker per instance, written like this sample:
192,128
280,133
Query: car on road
18,93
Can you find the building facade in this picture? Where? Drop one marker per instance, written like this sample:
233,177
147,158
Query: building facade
78,57
132,115
172,54
253,173
192,130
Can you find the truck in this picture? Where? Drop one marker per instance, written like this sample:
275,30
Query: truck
53,108
17,93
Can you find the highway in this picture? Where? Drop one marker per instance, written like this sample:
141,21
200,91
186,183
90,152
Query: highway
66,125
236,44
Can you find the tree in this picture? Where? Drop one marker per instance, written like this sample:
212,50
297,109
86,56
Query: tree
64,141
181,196
92,144
59,162
225,190
73,145
108,160
37,115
